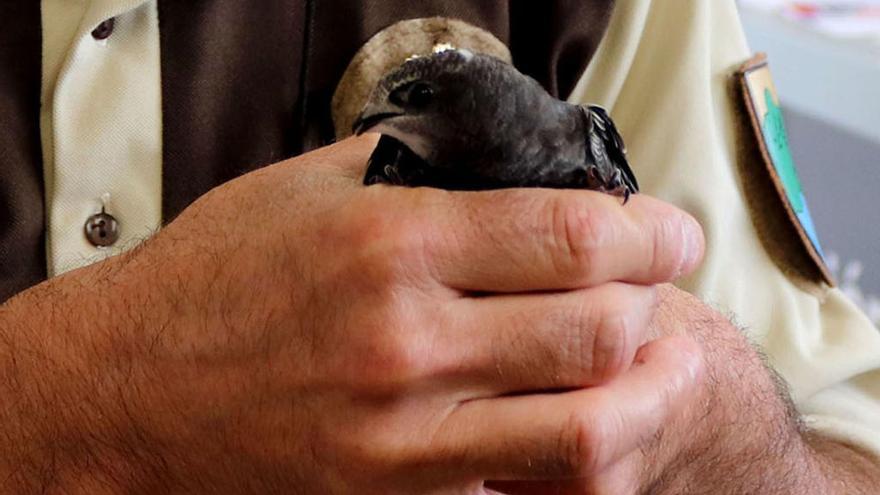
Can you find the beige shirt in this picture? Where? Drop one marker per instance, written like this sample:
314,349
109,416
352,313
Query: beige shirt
101,125
663,70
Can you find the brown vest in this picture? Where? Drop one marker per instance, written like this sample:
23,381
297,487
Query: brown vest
246,84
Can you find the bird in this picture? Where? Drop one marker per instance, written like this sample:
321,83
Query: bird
458,120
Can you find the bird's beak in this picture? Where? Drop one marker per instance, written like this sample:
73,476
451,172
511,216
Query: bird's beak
373,115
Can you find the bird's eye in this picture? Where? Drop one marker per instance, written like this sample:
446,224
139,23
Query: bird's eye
416,95
421,95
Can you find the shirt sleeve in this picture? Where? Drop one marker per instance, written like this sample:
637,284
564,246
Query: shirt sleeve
665,73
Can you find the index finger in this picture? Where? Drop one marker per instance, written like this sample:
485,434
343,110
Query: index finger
539,239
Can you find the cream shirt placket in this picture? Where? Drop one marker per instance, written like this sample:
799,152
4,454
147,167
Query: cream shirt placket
101,125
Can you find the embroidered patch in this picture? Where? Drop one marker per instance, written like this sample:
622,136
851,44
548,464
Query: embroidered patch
765,113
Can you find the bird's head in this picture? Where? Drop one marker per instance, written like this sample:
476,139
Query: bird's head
433,102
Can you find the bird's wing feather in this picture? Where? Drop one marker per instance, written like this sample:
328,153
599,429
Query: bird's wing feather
606,146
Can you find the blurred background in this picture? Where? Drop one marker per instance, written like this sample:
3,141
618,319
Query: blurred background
825,59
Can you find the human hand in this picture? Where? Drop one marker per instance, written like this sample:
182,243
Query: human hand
294,330
738,432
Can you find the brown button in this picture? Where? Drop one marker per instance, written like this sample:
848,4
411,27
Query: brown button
104,30
102,229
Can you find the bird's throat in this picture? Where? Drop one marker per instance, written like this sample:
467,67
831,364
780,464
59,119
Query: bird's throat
415,142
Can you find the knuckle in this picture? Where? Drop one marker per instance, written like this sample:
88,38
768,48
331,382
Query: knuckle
578,446
610,344
398,358
359,223
582,322
578,232
403,236
667,255
382,248
624,313
589,438
391,358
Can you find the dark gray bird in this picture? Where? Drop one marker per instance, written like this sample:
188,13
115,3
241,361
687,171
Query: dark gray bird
456,120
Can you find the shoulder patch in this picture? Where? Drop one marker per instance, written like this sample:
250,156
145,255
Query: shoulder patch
765,115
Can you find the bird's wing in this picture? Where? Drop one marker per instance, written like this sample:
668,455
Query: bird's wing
607,148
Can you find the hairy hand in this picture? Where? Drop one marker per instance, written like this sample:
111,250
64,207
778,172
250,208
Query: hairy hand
294,331
736,433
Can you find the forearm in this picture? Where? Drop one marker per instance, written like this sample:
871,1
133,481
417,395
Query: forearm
846,470
63,421
810,465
